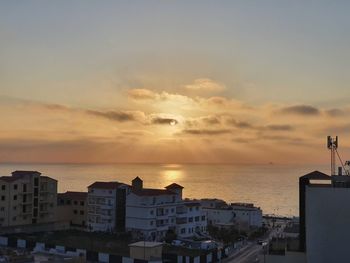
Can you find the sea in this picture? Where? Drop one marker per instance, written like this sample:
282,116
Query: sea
272,187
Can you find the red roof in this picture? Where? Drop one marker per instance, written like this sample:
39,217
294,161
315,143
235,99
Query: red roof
105,185
21,173
73,195
152,192
174,186
8,179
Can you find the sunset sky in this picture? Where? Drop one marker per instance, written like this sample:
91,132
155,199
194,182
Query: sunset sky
173,81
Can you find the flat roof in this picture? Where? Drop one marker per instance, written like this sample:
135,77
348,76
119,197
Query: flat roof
146,244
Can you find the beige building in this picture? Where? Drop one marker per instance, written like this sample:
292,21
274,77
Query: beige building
72,208
27,197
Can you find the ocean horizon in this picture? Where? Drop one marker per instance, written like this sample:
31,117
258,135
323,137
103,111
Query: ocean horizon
273,187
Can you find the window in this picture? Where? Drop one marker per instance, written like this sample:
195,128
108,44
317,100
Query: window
81,203
151,223
75,212
196,218
197,208
3,187
81,212
203,218
24,188
172,210
2,198
15,197
183,230
151,212
75,202
190,219
15,187
190,208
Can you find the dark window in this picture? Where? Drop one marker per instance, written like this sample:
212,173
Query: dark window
24,198
81,212
203,218
68,202
35,212
24,188
75,202
36,181
36,202
15,186
2,198
190,219
24,209
3,187
81,203
75,212
196,218
15,197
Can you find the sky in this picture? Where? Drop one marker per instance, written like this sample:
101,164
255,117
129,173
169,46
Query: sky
173,81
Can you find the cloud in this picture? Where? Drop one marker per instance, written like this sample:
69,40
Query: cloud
335,112
119,116
205,85
304,110
279,127
206,131
162,121
142,94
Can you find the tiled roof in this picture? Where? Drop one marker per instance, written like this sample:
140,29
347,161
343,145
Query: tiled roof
21,173
8,179
316,175
152,192
174,186
73,195
106,185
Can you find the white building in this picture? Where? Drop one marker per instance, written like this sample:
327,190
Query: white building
106,206
191,219
247,215
150,213
324,217
242,215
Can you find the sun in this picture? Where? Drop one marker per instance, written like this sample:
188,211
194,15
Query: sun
173,122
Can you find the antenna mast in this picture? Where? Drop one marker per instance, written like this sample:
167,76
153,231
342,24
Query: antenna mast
332,144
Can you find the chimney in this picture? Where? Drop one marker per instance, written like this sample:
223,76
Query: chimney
137,183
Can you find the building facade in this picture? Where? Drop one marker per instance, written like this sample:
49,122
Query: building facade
324,217
27,197
107,206
72,207
151,213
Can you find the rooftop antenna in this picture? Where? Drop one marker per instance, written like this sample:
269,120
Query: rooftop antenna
332,144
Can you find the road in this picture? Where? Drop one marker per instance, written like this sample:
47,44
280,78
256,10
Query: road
247,254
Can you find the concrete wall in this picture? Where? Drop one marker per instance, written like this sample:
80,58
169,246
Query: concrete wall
327,224
290,257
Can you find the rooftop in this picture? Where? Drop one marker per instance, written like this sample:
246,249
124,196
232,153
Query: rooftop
316,175
174,186
106,185
152,192
146,244
73,195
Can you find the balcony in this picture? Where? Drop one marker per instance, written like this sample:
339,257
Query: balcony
181,220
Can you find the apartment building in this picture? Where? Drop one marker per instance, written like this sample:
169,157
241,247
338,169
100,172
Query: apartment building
191,219
242,215
106,206
151,213
27,197
72,208
247,215
324,217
